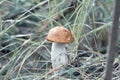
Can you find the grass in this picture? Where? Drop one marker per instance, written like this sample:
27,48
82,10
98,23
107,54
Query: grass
25,54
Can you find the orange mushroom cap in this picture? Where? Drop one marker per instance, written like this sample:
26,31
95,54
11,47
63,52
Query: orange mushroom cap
60,35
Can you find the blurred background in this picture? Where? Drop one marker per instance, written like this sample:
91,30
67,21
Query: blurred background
24,52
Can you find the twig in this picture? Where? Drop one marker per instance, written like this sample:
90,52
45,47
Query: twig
112,43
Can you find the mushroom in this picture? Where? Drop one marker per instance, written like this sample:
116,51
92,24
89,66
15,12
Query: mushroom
60,36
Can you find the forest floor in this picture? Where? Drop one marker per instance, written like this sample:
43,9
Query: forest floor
25,54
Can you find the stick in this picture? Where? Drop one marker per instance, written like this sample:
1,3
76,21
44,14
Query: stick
112,42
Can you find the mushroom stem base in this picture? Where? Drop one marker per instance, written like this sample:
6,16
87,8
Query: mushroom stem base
59,56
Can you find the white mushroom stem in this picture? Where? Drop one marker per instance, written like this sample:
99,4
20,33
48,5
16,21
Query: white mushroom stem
59,55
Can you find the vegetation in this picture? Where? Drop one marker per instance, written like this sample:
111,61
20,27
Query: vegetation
25,54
